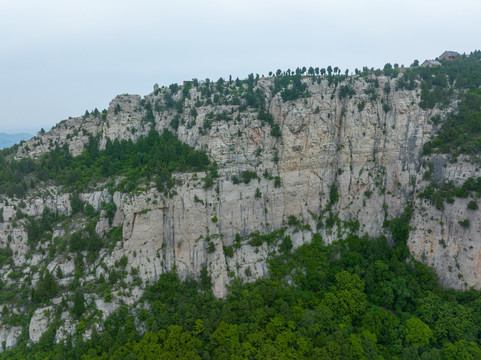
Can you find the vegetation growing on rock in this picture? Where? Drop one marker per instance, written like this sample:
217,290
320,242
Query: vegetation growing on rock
357,297
111,204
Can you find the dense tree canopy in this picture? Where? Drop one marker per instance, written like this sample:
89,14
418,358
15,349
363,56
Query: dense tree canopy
355,299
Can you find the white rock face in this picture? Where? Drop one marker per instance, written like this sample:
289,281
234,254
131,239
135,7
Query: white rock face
9,336
66,329
106,308
439,240
370,155
40,322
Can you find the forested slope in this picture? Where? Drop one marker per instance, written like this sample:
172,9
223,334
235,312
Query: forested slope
303,214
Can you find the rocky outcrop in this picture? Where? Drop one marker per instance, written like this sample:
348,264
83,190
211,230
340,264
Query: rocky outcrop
9,336
438,237
367,150
39,323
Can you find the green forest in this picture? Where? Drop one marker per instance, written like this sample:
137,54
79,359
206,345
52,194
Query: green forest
151,158
358,298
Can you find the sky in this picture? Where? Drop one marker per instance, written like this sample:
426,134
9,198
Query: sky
59,58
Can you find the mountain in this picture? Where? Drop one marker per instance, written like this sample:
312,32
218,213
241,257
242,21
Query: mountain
350,198
7,140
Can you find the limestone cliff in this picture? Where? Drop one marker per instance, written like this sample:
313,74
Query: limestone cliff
366,147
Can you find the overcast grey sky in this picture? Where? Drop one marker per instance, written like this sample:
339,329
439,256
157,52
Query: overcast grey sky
59,58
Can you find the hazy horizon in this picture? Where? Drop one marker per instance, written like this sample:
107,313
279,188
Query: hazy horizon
62,58
7,139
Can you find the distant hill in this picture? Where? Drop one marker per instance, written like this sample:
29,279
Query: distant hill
7,140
